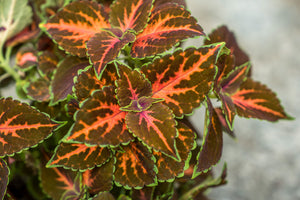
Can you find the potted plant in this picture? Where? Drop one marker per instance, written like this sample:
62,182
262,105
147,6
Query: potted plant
109,91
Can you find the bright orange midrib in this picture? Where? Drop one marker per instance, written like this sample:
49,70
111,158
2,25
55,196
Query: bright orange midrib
96,125
187,73
235,78
133,11
64,179
81,148
150,123
252,103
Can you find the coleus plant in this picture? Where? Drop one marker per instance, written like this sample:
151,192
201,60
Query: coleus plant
110,91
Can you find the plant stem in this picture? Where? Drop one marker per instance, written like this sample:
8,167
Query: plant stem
4,64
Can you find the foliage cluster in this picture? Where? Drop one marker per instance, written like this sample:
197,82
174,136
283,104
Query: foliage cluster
110,90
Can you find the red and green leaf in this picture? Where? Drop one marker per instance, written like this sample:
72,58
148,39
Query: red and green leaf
26,57
79,156
130,14
39,90
4,172
168,24
135,166
225,64
231,83
145,193
255,100
63,82
222,34
212,144
155,127
21,126
100,121
99,179
106,45
104,196
75,24
169,168
183,78
131,86
160,2
229,109
224,123
87,81
47,62
60,183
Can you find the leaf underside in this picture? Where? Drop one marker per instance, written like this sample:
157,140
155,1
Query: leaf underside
63,82
211,149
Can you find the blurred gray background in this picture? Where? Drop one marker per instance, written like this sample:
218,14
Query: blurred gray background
264,162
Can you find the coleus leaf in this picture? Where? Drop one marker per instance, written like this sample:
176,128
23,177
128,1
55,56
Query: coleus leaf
15,15
145,193
169,168
168,24
60,183
130,14
225,64
21,126
160,2
106,45
38,90
255,100
99,179
4,172
223,34
63,82
87,81
100,121
212,144
135,166
47,62
155,127
183,78
228,109
26,57
79,156
224,123
131,86
229,85
75,24
104,196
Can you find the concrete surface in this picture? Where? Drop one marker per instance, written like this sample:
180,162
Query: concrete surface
264,162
